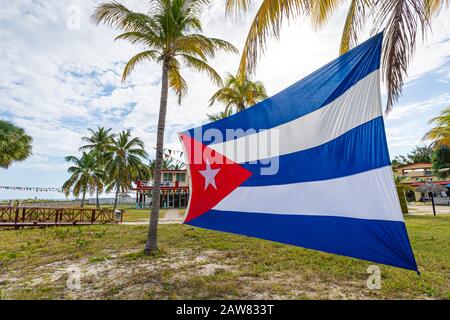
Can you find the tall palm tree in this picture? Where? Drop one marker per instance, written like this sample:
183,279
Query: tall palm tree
172,35
440,134
239,94
15,144
400,20
85,175
98,142
123,162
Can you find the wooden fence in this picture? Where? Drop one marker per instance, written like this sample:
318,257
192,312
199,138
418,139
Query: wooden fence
23,217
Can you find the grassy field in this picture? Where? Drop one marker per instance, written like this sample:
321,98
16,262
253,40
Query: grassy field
195,263
132,214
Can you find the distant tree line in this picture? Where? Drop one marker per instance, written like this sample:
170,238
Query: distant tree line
438,152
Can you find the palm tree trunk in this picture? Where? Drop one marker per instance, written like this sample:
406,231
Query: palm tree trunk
98,202
82,199
117,195
152,241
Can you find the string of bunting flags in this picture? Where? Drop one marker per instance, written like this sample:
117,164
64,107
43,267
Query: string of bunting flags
36,189
170,153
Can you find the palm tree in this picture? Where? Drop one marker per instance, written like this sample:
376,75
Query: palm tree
85,175
220,115
239,94
172,35
167,164
440,134
98,142
15,144
123,162
400,20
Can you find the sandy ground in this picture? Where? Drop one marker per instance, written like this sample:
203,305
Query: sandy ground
427,209
172,216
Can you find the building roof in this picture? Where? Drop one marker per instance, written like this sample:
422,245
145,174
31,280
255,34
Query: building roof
418,165
173,171
419,183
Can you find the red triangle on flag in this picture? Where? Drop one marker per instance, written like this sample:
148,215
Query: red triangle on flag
213,176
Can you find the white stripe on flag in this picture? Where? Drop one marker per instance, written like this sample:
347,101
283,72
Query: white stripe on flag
372,196
358,105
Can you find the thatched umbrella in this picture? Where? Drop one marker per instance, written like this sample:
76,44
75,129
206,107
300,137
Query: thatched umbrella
431,188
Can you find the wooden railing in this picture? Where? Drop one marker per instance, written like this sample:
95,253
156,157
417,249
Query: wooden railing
20,216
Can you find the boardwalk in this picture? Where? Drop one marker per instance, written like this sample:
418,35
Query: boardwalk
41,217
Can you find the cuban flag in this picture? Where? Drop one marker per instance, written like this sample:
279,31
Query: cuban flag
308,167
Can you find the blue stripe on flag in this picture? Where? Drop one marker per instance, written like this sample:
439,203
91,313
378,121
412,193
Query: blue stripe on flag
307,95
373,240
360,149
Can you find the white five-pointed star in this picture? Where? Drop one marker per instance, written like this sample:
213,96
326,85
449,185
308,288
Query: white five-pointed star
210,175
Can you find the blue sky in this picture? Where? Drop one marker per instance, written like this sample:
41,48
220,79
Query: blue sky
60,77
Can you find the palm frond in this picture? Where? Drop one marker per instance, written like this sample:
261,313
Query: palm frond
15,144
118,16
401,20
433,7
223,45
202,66
267,23
236,6
354,23
321,10
440,133
177,82
136,37
73,159
131,64
239,93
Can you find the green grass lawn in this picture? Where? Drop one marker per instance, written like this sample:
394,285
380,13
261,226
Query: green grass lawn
131,214
196,263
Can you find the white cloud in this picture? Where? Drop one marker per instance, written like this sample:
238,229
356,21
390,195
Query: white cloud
418,108
404,135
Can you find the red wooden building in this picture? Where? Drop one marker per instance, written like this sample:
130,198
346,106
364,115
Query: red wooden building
174,190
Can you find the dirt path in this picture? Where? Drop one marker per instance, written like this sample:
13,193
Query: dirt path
172,216
428,210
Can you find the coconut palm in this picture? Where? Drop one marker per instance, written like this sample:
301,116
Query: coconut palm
85,175
15,144
167,164
440,134
220,115
172,36
400,20
98,143
123,162
239,94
